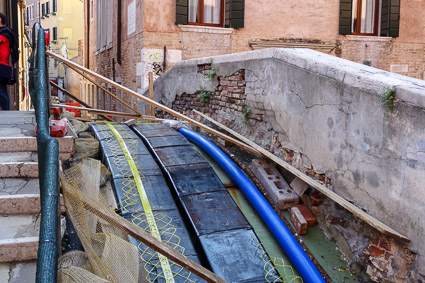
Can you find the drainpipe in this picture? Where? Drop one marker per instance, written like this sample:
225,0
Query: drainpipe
119,33
87,55
164,63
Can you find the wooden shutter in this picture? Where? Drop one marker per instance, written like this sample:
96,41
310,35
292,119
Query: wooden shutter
345,16
181,12
234,13
390,18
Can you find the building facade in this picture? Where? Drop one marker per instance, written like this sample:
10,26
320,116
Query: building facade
127,39
64,22
32,15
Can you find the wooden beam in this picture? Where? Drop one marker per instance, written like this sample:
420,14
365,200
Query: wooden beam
141,235
107,91
99,111
76,98
75,66
152,110
378,225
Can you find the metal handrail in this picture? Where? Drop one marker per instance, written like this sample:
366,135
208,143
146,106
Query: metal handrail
48,162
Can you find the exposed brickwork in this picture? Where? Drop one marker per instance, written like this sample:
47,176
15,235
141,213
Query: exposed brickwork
384,259
388,261
229,94
124,73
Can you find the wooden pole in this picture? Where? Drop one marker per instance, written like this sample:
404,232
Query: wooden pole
152,110
76,98
99,111
141,235
321,188
75,66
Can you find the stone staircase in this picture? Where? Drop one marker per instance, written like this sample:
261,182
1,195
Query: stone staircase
20,195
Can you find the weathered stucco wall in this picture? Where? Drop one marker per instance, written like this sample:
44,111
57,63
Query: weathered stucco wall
327,110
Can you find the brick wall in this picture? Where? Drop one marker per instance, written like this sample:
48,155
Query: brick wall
384,52
124,73
229,94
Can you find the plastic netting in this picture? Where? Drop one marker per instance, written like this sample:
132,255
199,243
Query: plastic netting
109,256
285,272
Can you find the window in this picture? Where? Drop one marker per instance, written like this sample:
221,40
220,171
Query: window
31,17
365,17
55,33
43,9
218,13
362,17
47,8
54,6
27,16
206,12
91,9
104,31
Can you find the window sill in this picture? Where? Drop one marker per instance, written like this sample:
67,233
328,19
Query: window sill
368,38
205,29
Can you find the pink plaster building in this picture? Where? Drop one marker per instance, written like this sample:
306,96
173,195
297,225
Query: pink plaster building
126,39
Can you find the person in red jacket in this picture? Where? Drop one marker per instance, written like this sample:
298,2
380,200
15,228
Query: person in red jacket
4,59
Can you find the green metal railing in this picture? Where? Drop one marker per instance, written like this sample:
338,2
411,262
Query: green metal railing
48,162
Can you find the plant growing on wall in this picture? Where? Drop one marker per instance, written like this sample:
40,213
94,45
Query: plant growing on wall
387,101
245,113
211,73
204,95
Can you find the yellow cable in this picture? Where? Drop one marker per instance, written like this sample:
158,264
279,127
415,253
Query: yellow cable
168,274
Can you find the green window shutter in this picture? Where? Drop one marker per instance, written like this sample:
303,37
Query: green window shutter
390,18
181,12
234,12
345,16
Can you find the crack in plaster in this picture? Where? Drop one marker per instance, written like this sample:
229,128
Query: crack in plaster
338,106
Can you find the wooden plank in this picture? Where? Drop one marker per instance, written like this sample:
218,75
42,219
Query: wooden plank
142,236
76,98
77,67
151,93
378,225
99,111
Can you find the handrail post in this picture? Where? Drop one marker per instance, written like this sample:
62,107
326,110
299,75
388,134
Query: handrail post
48,164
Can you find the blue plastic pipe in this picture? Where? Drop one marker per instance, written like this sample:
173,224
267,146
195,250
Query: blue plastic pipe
294,251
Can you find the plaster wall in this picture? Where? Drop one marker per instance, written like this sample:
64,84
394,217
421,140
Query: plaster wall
412,21
328,110
310,18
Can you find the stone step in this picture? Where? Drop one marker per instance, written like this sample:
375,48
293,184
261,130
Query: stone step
19,237
18,157
19,249
19,170
29,144
18,272
21,123
19,226
14,186
23,204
